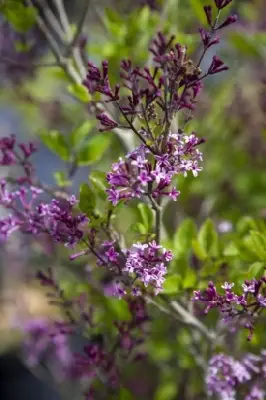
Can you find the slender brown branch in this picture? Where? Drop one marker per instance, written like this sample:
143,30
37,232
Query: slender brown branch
132,127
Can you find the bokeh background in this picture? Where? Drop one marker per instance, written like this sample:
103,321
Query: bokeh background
231,115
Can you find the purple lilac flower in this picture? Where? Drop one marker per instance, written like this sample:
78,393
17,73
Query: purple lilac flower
139,175
233,305
55,218
48,340
174,70
223,375
93,362
12,153
148,263
256,393
226,377
115,289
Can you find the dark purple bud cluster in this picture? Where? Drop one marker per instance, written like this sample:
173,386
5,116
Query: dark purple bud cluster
12,153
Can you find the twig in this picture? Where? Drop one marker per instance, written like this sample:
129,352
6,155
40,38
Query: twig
211,33
80,26
132,127
51,19
190,319
7,60
67,29
63,17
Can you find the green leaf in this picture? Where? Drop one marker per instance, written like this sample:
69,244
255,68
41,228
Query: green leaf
199,250
146,215
124,394
256,243
245,249
98,180
246,44
80,133
138,227
143,17
94,149
245,224
166,391
20,17
182,241
118,308
256,270
61,179
56,142
80,92
208,238
172,284
87,200
190,279
197,7
231,250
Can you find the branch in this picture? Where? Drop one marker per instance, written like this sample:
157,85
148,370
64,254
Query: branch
51,18
80,26
190,319
63,18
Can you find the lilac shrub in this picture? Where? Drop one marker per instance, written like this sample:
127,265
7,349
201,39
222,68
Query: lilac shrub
147,101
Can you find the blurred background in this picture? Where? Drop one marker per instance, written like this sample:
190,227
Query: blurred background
231,115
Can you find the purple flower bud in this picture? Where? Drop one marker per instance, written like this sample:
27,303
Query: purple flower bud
106,122
208,12
229,21
222,3
217,66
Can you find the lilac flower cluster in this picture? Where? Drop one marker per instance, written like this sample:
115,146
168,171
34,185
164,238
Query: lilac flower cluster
13,153
173,84
226,376
145,262
148,263
159,88
245,305
142,174
55,218
48,340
